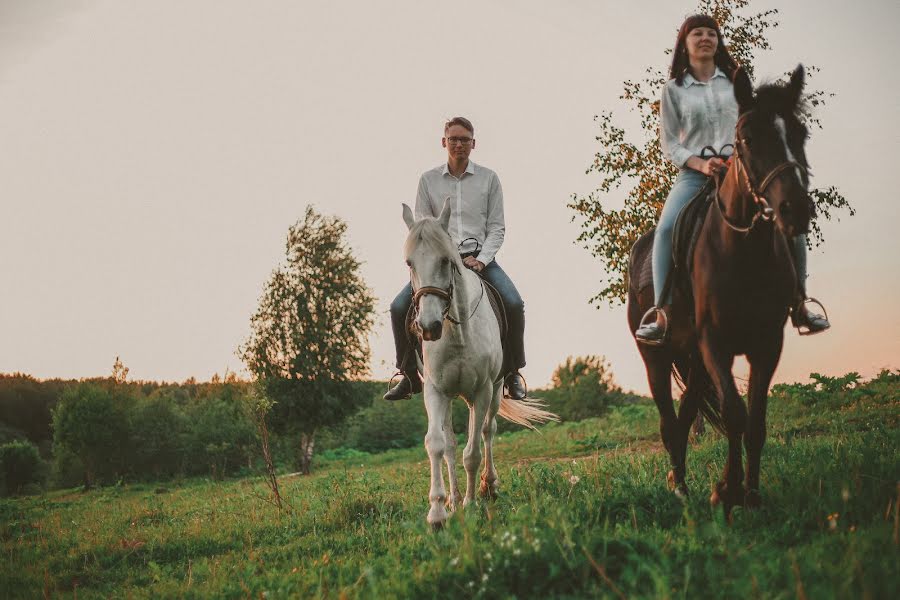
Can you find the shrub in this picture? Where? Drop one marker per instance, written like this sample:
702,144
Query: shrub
158,437
90,423
20,467
583,387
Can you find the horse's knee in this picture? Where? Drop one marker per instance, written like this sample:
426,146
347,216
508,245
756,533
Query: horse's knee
735,416
435,443
472,457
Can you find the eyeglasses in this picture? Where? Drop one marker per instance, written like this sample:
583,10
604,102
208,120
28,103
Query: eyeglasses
465,141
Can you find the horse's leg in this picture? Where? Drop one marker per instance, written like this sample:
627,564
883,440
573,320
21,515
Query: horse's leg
762,367
435,443
687,411
481,401
489,483
659,374
455,498
730,490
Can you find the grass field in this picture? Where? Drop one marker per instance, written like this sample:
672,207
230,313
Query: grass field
584,512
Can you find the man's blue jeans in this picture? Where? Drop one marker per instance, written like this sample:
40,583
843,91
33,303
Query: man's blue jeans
515,316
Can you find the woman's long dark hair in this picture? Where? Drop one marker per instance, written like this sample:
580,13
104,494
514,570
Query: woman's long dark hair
681,64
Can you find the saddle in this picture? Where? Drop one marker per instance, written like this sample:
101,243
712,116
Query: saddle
496,303
684,239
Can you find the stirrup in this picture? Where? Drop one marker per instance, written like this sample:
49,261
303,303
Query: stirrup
506,388
804,328
653,312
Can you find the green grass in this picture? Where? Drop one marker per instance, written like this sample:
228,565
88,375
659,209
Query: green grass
828,526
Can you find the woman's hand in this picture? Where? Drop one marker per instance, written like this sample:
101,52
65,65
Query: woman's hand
713,166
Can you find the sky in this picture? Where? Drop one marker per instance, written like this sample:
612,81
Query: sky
154,153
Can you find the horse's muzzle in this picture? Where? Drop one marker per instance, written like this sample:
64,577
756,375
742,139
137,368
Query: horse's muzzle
432,331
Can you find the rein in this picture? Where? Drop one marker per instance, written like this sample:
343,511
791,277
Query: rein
763,210
448,296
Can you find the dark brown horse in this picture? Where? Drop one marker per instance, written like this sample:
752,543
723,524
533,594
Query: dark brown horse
735,298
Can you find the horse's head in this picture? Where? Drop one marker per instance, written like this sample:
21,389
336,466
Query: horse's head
433,262
769,147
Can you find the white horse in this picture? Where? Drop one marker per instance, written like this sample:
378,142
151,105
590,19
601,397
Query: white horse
463,358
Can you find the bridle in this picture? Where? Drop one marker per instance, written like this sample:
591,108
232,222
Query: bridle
763,210
447,295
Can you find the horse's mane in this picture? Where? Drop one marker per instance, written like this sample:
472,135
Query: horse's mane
774,98
428,232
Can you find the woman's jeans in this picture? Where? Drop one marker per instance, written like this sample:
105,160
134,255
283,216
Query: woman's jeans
687,185
515,317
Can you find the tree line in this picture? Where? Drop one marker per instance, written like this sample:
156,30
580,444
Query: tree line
101,431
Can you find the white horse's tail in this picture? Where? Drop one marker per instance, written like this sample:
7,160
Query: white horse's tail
525,412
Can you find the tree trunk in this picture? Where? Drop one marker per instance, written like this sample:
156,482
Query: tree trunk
307,443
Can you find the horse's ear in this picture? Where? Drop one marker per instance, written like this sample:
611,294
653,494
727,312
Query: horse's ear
444,219
743,90
795,86
408,216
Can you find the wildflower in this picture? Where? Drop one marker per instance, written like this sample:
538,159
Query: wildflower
454,562
574,479
484,577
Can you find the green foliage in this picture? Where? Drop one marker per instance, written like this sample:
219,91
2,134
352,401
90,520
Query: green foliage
637,162
309,336
222,436
159,433
90,422
584,512
20,465
582,387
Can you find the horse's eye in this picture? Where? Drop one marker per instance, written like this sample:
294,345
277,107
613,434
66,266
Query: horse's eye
445,261
747,140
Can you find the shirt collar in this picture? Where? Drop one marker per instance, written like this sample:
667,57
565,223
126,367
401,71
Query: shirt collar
470,169
689,79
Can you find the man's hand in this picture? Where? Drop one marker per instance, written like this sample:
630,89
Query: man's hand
473,263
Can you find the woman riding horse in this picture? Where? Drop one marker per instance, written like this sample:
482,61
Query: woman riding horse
698,110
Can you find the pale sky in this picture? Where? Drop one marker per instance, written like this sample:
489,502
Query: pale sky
154,153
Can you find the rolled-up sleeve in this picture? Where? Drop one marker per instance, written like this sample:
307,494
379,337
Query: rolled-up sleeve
495,227
670,129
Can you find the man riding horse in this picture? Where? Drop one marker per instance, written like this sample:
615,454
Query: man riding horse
478,229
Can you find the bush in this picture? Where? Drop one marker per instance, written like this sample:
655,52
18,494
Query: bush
90,423
158,437
20,467
583,387
221,437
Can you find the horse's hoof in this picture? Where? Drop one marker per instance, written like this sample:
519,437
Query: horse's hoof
679,489
437,526
723,495
488,492
454,501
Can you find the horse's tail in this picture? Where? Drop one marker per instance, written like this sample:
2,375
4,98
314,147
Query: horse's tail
527,412
704,390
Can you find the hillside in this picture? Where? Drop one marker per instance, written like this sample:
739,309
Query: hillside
584,512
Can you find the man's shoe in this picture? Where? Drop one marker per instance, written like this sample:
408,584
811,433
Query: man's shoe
654,332
405,388
809,323
515,386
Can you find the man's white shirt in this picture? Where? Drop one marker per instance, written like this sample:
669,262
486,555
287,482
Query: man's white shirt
477,206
